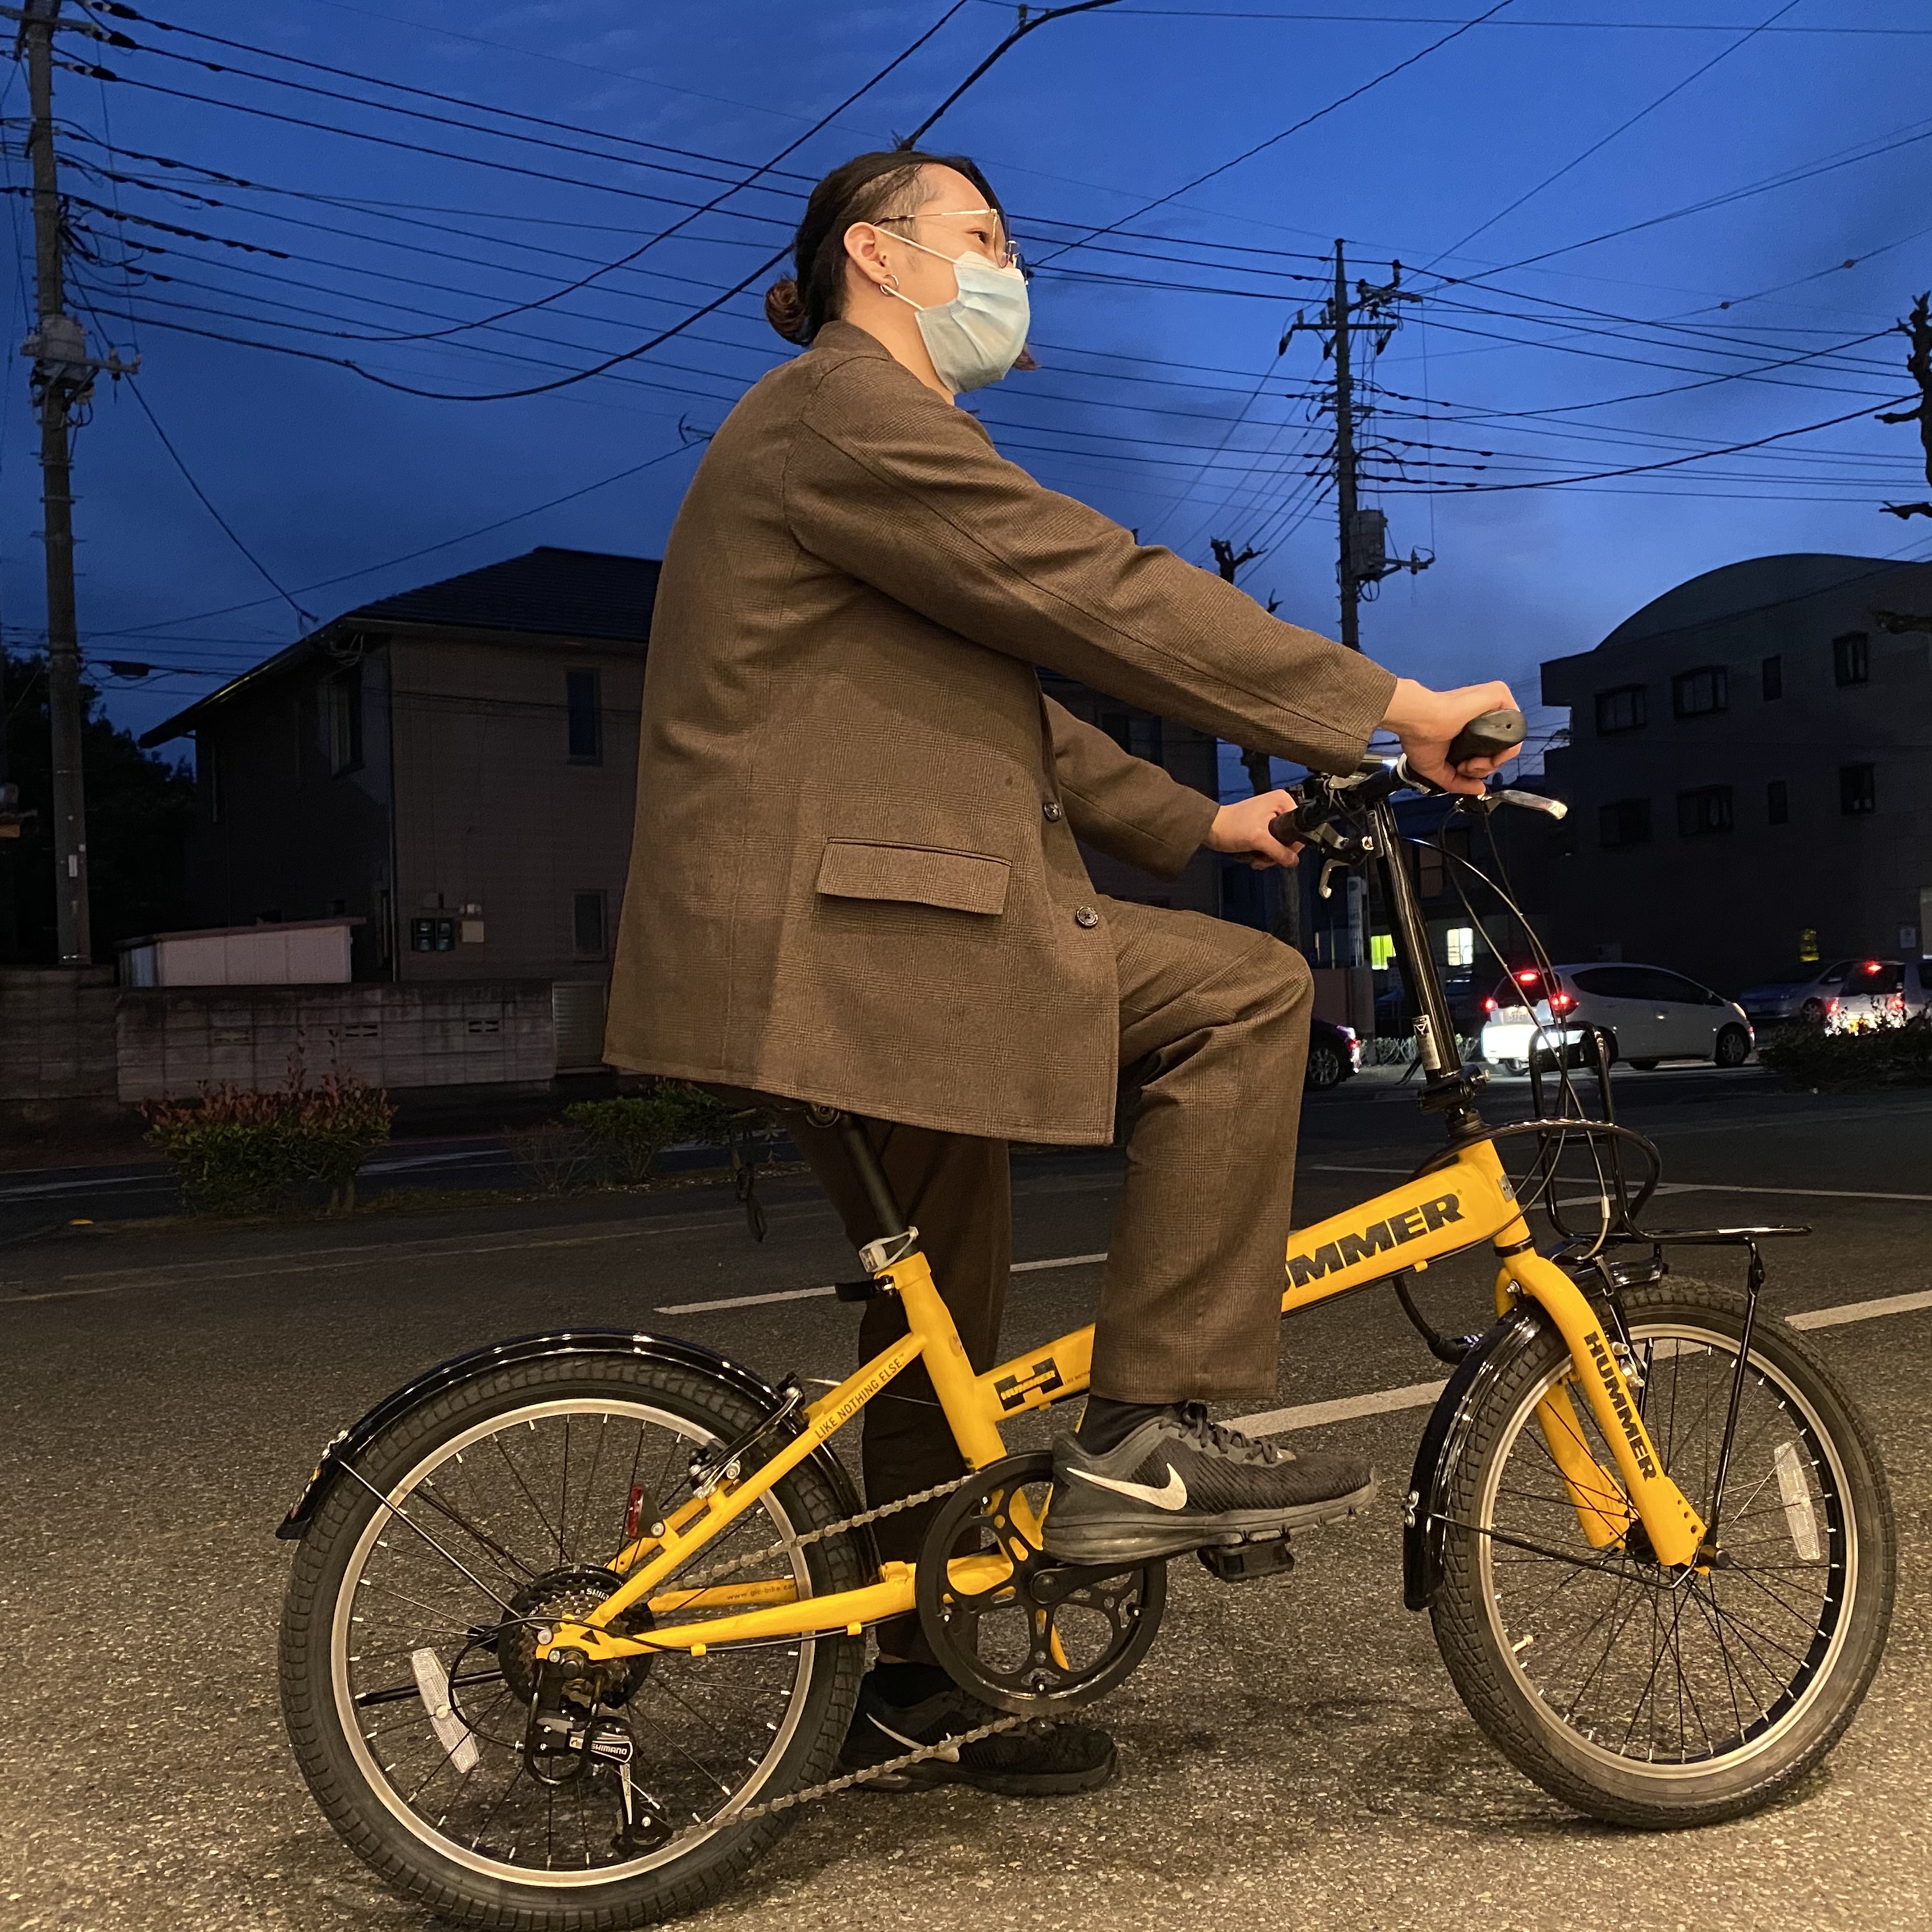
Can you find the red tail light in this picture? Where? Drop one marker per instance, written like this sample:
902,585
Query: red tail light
1560,1002
1489,1006
1896,1004
1870,966
1830,1009
1528,978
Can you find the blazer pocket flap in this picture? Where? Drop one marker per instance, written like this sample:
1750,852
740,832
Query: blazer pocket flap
917,874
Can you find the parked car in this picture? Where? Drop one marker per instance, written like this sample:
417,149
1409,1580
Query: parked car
1880,991
1646,1013
1334,1054
1800,992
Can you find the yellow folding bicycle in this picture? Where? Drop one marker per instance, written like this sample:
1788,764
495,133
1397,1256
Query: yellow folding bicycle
577,1622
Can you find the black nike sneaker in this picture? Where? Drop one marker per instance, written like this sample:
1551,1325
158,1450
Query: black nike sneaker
1044,1760
1179,1482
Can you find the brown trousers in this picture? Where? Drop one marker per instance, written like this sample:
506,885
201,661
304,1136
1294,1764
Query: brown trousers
1213,1038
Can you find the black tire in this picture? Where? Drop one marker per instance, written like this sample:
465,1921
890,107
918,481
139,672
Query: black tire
478,1884
1645,1066
1513,1066
1326,1066
1504,1642
1733,1048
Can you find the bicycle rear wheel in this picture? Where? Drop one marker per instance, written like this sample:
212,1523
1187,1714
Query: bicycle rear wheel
409,1633
1653,1696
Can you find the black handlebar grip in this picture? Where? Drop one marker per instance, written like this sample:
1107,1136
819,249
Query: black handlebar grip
1487,736
1283,828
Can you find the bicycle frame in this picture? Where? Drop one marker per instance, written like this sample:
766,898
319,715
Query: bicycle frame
1454,1207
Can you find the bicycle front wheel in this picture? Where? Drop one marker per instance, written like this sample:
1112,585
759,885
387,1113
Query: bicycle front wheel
1650,1696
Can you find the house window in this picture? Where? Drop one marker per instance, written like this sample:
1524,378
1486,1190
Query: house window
1625,822
1773,671
1381,950
584,705
1621,710
1460,943
1706,809
342,719
586,924
1858,790
1696,694
1851,659
1777,802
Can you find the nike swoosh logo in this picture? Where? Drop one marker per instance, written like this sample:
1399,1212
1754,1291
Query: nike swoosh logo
949,1752
1172,1495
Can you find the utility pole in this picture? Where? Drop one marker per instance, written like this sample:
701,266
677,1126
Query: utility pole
62,381
1362,558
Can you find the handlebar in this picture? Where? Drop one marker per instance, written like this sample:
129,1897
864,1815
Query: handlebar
1488,736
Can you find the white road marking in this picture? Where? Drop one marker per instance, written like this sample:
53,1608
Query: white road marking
812,1294
1861,1311
1669,1186
1314,1415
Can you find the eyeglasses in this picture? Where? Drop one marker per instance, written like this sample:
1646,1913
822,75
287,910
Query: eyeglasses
1002,253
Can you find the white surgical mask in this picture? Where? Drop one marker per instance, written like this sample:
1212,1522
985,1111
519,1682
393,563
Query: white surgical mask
976,337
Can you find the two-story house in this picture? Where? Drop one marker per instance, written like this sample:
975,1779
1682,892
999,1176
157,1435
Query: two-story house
1750,771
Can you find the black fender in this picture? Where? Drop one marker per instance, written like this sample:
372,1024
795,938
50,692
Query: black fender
1441,1444
350,1443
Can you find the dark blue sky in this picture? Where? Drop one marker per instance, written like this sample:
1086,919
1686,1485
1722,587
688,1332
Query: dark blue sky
1169,409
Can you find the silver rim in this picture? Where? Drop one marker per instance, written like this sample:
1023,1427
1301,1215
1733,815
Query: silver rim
1667,1677
708,1733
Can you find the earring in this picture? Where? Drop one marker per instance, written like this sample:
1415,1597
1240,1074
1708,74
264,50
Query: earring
890,286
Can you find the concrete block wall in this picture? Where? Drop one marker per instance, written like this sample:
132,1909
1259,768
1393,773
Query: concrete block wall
56,1034
486,1033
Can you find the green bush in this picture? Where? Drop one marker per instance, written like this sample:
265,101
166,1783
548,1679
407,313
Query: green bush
239,1150
630,1131
1880,1053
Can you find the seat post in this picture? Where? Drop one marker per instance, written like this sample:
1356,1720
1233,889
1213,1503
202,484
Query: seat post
871,1176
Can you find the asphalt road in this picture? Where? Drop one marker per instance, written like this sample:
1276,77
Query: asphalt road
1293,1754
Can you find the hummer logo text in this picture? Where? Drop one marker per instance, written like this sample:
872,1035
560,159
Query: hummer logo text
1613,1388
1375,1239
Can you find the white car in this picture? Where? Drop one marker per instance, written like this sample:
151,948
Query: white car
1881,992
1647,1013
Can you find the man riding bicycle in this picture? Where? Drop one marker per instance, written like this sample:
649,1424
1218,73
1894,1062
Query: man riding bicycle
855,883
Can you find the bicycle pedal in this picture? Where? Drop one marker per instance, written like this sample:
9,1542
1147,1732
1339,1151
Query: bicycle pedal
1247,1562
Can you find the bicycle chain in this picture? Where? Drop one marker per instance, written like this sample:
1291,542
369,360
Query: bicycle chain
948,1748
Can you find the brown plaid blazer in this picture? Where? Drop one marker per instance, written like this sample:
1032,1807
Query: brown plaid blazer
854,878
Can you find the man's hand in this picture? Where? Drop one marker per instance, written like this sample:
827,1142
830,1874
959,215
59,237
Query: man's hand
1244,828
1426,721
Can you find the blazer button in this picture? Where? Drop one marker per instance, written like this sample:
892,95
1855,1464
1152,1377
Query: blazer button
1087,918
1054,812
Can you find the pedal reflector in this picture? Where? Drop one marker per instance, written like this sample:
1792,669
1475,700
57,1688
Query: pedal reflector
451,1732
1799,1511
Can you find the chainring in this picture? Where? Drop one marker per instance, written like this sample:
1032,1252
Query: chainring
1034,1637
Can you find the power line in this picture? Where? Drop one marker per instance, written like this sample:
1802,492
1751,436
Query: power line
1306,121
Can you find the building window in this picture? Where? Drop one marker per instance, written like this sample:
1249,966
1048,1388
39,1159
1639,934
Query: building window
1621,710
1381,950
1696,694
1625,822
1777,802
1858,790
584,704
1460,942
1773,669
1851,658
1706,809
587,923
342,717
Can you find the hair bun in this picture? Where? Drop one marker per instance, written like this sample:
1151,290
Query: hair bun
785,309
